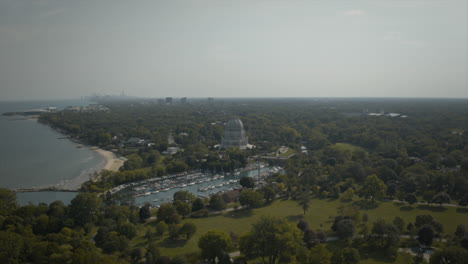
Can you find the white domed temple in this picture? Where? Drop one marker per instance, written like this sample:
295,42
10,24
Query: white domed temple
234,135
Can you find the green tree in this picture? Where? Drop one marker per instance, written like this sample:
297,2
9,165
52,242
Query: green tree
153,249
84,208
7,201
251,199
161,227
426,235
247,182
348,195
399,223
197,204
127,229
268,193
179,260
187,230
213,244
423,220
184,196
316,255
11,246
464,165
270,239
449,255
182,208
168,214
346,228
411,198
347,255
384,235
144,213
304,201
373,188
460,232
217,202
441,198
114,242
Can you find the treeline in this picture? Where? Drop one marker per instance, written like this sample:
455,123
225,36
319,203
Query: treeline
89,230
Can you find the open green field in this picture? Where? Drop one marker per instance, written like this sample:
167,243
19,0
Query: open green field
320,215
287,153
345,147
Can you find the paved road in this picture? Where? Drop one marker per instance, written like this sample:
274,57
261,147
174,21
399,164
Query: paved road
423,203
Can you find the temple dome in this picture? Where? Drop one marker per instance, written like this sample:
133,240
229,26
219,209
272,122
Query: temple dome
234,125
234,135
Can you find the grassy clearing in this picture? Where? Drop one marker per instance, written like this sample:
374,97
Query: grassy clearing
346,147
318,216
287,153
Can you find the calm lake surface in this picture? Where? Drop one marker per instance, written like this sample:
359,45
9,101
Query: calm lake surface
33,155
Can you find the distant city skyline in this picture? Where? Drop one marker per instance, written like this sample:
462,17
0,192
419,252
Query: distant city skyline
53,49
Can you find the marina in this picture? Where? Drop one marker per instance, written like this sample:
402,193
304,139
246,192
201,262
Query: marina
160,190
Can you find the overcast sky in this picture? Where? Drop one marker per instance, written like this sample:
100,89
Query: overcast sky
51,49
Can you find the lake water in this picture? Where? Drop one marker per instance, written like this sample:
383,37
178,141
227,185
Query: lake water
32,155
24,198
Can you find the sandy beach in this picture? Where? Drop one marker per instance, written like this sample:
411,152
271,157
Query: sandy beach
112,162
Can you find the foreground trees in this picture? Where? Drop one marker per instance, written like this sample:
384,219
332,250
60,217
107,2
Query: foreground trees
271,239
373,188
251,199
84,208
214,244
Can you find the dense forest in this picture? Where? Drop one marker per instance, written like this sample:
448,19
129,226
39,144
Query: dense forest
362,154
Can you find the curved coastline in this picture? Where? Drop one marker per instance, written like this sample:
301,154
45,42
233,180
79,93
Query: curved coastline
111,161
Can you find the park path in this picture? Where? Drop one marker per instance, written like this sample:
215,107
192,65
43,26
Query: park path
423,203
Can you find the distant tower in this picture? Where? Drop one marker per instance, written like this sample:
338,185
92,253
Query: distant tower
234,135
183,100
169,100
170,139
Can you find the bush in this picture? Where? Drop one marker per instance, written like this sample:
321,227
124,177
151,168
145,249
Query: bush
200,213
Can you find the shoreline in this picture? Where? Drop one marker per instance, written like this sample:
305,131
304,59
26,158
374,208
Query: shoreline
111,161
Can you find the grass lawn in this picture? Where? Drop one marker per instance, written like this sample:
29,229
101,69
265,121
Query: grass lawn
345,146
287,153
318,216
402,258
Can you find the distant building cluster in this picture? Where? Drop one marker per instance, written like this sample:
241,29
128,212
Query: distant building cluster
88,109
382,113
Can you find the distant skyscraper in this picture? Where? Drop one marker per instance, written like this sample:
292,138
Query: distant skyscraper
234,135
169,100
183,100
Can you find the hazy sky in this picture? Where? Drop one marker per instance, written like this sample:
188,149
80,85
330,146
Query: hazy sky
200,48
